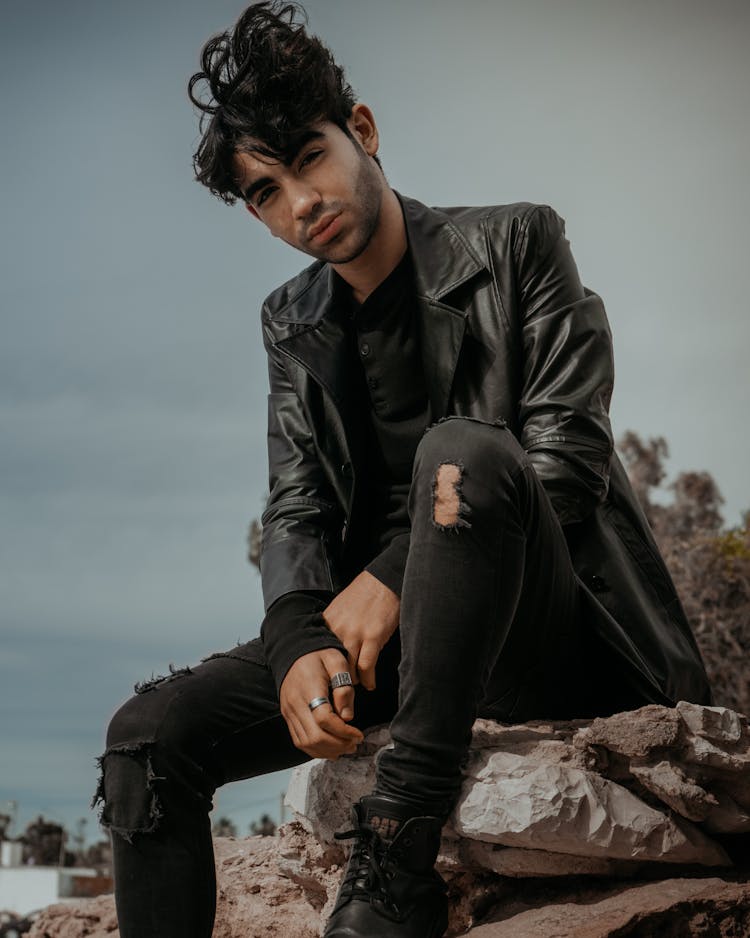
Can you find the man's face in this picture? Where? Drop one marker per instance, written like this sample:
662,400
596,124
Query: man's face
326,203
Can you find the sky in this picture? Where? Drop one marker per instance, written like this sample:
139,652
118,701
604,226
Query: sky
132,374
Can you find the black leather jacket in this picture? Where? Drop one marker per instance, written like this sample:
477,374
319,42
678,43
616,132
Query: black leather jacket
506,330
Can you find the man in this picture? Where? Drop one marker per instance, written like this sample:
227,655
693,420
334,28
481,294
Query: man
449,533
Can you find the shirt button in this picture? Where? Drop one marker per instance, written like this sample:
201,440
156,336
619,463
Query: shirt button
364,350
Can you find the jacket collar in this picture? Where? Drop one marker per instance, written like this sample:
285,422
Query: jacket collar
443,258
443,261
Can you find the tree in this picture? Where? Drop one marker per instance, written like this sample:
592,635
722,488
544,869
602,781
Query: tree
97,856
710,565
254,534
13,926
224,827
265,827
645,465
44,844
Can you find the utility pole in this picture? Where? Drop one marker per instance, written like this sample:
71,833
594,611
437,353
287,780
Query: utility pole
12,807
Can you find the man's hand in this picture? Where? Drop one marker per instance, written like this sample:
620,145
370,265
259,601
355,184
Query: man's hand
363,616
322,733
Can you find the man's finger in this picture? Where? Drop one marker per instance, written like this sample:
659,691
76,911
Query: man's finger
295,730
325,718
332,724
351,664
333,663
343,702
324,739
314,737
368,658
329,750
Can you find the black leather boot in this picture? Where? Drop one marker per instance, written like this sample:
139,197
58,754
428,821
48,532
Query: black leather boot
390,888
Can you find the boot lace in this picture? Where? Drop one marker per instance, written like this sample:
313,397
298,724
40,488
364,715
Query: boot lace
367,876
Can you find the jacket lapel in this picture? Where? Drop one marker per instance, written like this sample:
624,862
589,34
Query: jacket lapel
443,262
316,339
322,348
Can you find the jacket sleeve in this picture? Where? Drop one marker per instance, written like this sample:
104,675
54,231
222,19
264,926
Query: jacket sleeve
301,525
390,563
303,519
568,369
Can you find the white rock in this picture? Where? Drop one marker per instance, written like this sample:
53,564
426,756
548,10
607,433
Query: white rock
533,787
516,801
715,723
321,793
703,752
672,786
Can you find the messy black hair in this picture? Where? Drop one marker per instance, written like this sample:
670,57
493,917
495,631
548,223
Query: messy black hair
267,79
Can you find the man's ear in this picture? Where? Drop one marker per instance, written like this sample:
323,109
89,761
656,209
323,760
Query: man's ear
363,127
252,211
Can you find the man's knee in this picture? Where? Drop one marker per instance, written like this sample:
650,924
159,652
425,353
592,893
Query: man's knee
458,449
448,507
125,790
130,722
138,746
467,440
140,720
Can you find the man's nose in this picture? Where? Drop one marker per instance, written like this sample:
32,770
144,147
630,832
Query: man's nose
304,200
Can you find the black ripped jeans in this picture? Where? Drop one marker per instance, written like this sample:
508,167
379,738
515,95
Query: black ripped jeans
489,627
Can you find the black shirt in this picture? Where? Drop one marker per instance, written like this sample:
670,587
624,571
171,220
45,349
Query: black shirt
393,393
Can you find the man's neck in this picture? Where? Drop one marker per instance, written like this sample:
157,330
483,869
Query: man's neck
383,253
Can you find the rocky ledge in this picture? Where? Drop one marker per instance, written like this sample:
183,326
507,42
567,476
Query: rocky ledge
635,824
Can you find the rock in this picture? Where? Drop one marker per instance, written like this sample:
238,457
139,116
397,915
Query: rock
572,788
553,817
715,723
517,801
519,864
635,734
672,786
673,908
695,760
255,900
305,861
93,918
321,792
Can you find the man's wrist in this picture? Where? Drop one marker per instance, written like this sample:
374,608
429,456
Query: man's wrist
294,626
389,565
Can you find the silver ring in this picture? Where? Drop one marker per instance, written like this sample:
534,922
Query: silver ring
318,702
341,679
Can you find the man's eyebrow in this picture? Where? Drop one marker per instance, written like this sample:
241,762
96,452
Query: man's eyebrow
302,142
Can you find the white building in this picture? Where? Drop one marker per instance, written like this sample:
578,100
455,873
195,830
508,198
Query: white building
25,889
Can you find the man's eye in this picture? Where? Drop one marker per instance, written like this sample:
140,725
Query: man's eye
264,194
309,157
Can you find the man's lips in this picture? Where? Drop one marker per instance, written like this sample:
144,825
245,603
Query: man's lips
326,228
